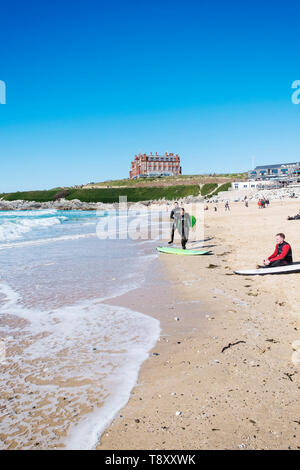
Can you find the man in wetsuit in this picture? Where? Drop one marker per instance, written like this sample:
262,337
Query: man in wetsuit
184,223
282,254
174,216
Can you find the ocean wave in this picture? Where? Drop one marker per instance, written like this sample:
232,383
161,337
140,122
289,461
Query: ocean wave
14,229
22,213
45,241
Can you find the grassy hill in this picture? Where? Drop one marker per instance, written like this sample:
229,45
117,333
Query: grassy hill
108,195
170,181
171,187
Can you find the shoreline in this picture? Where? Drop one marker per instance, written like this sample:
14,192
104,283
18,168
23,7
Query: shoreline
227,373
224,373
167,308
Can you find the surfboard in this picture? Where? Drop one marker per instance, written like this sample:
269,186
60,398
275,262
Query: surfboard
180,251
289,268
193,218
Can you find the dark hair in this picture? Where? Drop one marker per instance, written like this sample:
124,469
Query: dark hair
282,235
175,202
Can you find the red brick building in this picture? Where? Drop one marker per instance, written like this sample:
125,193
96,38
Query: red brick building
155,165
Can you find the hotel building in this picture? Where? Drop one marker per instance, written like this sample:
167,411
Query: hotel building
145,165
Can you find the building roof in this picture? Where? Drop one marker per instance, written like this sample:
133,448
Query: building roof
278,165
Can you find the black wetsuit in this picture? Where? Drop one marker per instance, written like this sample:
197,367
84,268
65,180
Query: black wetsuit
282,255
183,224
175,214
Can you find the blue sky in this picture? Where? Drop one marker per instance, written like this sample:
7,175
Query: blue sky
91,83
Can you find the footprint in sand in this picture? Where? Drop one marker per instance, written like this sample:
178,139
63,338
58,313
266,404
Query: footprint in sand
296,353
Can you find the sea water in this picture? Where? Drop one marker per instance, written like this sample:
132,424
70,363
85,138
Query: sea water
70,360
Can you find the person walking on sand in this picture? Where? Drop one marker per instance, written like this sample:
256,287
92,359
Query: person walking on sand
174,215
282,254
184,224
227,208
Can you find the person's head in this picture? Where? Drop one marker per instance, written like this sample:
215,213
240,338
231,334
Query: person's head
280,237
176,204
182,211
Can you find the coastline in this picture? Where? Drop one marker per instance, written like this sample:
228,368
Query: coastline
194,396
224,373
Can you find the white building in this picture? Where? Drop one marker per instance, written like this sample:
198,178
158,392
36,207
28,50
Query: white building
245,184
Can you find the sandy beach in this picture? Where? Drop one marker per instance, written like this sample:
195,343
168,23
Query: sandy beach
112,337
225,372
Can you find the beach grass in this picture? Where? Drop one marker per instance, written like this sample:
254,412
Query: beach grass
223,187
208,188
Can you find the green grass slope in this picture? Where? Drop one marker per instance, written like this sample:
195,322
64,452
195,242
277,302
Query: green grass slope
108,195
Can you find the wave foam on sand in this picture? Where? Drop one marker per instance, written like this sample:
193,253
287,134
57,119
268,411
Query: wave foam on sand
76,365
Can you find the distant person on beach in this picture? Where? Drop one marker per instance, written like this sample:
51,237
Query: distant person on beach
246,203
184,224
227,208
295,217
282,254
174,215
261,203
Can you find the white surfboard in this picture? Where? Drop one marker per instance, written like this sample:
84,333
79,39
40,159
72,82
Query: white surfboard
289,268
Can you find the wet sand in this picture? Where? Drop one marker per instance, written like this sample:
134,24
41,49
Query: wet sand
225,372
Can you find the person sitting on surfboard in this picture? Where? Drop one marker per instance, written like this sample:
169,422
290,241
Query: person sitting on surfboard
184,222
282,254
175,214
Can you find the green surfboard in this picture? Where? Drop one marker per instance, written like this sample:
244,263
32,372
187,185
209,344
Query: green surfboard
193,218
180,251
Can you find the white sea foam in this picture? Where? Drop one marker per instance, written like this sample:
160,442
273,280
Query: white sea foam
15,229
61,340
23,213
58,347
